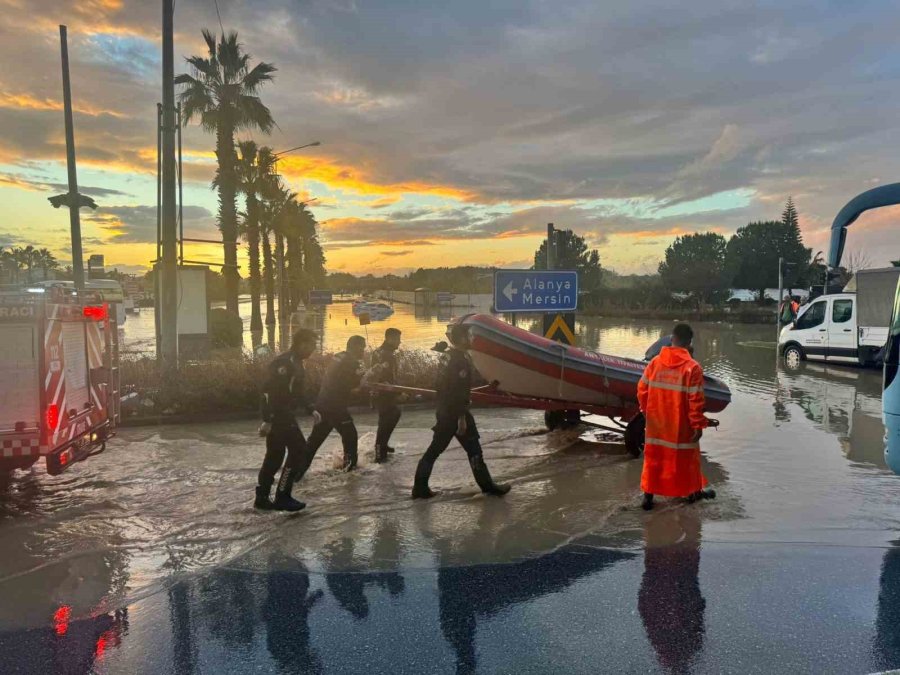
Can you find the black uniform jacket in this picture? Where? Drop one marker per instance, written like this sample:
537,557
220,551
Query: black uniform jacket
283,392
343,375
454,383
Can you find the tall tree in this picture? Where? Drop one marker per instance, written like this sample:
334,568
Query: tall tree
571,252
695,264
221,92
752,255
26,257
46,261
789,215
255,172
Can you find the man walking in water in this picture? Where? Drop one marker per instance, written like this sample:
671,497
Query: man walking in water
384,371
282,396
341,381
670,394
454,383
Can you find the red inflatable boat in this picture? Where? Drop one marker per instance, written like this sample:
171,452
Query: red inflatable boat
528,365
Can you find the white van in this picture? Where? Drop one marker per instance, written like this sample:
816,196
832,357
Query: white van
849,327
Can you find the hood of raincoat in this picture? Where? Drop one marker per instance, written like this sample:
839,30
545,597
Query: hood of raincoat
674,357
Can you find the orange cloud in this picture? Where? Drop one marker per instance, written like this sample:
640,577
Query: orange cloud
29,102
360,180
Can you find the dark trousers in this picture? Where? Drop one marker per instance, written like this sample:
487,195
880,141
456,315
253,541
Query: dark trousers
445,431
336,419
388,416
283,438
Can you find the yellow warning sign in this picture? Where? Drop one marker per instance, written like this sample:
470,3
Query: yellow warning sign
560,327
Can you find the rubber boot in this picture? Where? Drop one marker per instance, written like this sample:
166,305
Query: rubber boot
349,463
262,501
483,478
647,503
284,502
381,452
420,486
389,449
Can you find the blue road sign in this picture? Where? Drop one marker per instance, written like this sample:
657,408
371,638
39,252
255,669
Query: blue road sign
320,298
535,291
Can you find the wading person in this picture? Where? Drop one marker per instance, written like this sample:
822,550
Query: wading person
341,381
282,396
454,383
384,371
670,394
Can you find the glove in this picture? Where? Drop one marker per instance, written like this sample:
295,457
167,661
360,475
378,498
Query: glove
265,428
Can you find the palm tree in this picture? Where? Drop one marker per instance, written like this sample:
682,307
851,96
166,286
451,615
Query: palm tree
255,172
222,92
305,256
268,210
25,258
46,261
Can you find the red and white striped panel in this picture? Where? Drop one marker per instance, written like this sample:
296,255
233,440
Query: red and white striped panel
19,447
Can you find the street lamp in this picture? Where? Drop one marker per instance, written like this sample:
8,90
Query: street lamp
314,144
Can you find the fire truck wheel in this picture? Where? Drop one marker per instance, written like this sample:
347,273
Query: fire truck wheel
7,466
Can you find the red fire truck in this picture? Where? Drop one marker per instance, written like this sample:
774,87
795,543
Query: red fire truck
59,377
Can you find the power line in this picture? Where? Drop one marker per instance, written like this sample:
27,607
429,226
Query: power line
220,17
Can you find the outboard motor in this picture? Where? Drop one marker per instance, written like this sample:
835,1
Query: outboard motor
890,395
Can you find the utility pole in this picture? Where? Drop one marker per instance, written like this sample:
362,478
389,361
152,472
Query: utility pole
73,199
167,349
551,243
780,299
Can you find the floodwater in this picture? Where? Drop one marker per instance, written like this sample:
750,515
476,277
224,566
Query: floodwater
335,323
152,550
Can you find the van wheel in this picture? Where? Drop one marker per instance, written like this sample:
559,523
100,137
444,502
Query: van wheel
793,356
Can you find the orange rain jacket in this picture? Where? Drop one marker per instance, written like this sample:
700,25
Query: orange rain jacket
670,394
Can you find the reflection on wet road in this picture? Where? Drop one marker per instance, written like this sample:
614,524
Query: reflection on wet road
148,558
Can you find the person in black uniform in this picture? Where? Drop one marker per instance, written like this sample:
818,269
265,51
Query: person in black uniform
454,383
282,395
341,381
384,371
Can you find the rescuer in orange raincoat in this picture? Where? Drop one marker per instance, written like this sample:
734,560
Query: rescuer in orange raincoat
670,394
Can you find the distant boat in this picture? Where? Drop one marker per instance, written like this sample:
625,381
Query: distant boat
377,311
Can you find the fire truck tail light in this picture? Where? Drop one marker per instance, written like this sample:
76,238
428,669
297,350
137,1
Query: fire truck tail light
52,416
96,312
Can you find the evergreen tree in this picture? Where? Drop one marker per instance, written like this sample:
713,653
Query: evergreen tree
789,215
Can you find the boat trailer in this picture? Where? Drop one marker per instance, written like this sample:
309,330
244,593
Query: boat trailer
628,422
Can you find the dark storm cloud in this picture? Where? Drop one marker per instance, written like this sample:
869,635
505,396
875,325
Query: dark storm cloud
513,100
138,223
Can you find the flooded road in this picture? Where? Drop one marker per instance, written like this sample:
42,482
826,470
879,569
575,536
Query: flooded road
148,558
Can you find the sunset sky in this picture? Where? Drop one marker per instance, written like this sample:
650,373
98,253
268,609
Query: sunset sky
453,132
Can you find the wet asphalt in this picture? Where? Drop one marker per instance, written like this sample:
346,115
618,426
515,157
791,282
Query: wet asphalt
149,559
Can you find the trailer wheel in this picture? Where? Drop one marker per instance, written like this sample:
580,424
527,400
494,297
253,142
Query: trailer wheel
634,435
562,419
